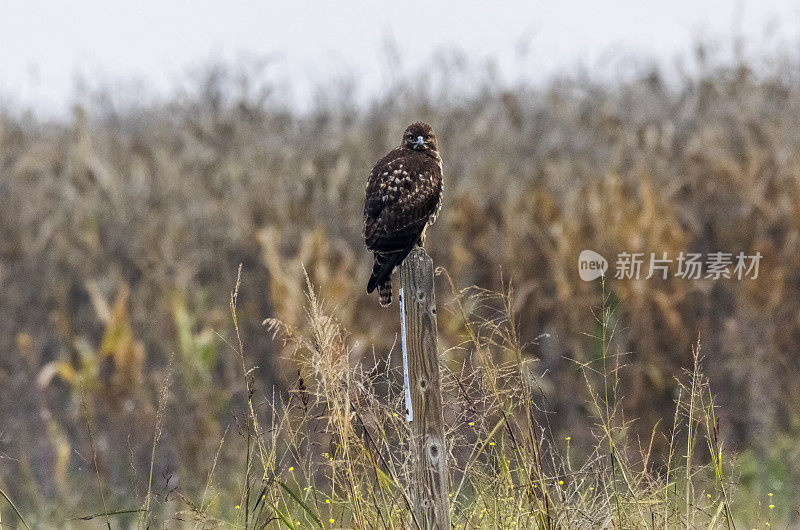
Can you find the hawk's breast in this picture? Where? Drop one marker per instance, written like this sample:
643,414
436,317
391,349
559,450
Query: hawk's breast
403,195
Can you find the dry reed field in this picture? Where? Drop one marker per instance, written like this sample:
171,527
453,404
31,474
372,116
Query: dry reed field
186,340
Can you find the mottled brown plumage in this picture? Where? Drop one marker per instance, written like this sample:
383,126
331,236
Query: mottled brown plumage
404,195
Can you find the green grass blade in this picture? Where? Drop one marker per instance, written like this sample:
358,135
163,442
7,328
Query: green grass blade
384,477
112,512
302,504
16,511
713,523
285,519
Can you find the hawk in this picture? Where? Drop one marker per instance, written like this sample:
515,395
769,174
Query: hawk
404,196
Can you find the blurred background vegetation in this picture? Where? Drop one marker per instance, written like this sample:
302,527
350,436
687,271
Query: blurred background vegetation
121,231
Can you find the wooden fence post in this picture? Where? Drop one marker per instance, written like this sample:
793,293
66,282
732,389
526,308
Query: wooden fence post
430,481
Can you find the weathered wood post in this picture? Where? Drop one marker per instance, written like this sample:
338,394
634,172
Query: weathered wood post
430,481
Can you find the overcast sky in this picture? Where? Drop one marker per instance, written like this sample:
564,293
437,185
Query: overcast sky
45,47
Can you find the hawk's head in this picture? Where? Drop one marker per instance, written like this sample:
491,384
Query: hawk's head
420,137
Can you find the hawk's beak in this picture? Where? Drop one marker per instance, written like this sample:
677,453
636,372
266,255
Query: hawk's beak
419,143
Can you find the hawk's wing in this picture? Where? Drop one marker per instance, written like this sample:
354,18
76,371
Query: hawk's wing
403,191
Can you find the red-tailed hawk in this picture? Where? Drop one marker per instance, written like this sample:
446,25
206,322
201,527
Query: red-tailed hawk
404,195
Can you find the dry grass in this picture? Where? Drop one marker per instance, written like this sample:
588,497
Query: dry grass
121,232
336,453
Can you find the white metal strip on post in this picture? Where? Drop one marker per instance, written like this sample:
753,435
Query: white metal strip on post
406,382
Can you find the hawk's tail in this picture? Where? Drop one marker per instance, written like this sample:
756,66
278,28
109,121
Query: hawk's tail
385,292
381,276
